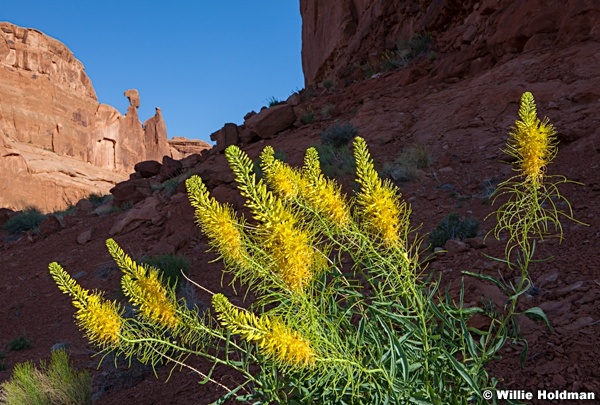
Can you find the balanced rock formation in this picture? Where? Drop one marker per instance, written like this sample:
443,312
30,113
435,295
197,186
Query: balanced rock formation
48,104
339,36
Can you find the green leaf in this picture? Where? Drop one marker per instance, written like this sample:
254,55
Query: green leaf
536,313
463,373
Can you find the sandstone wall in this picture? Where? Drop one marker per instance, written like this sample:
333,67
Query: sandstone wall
340,35
50,119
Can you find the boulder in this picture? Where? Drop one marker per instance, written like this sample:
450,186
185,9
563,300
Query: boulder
147,211
181,147
228,135
147,168
130,192
272,120
50,225
170,168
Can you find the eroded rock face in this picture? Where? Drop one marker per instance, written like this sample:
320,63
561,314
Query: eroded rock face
339,36
48,104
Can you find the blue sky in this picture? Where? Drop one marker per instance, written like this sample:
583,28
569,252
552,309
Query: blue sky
204,63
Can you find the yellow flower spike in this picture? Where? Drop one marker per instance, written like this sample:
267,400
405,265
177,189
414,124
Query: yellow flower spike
287,243
98,318
143,288
322,194
274,338
531,142
378,201
219,223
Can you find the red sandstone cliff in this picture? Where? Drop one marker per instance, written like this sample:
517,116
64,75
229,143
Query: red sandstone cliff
49,113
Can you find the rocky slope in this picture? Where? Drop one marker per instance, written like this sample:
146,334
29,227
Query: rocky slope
462,121
48,102
341,37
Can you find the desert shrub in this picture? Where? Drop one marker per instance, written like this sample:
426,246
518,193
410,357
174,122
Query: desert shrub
405,167
338,135
336,162
20,343
27,220
273,101
453,227
170,267
327,84
326,110
55,384
407,50
66,212
307,116
343,310
97,199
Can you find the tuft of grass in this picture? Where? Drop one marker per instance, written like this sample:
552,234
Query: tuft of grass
20,343
453,227
338,135
326,110
27,220
407,50
336,162
327,84
307,116
170,267
56,383
405,167
273,101
97,199
64,213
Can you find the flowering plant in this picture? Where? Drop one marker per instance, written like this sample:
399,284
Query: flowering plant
345,312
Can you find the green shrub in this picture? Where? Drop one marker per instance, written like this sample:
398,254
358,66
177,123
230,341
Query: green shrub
273,101
405,167
338,135
20,343
66,212
170,267
326,110
406,50
343,309
453,227
27,220
336,162
307,116
327,84
56,384
97,199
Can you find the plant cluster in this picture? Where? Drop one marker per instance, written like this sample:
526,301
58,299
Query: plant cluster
27,220
344,310
405,167
453,227
55,384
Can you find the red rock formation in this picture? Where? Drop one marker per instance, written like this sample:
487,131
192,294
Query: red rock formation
48,103
337,36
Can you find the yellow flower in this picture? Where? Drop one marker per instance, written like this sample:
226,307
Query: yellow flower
284,239
144,288
100,319
151,297
322,194
532,142
219,223
283,179
379,205
274,338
